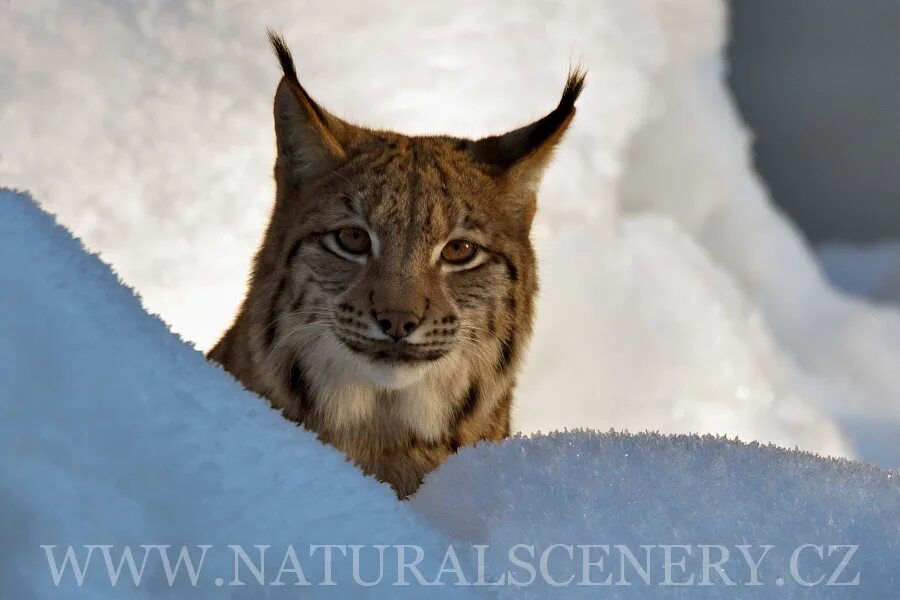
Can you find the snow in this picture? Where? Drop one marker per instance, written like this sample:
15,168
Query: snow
122,434
584,488
114,431
669,344
841,353
117,432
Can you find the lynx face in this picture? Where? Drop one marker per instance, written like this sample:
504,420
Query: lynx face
409,254
392,297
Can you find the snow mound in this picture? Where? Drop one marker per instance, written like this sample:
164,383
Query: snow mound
114,431
581,488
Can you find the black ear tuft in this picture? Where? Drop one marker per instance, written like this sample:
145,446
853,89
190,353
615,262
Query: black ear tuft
574,86
309,137
279,46
500,152
283,53
542,130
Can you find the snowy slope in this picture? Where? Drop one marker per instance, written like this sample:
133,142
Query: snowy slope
582,488
674,297
114,431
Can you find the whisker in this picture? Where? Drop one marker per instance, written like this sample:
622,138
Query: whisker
308,328
482,353
475,328
327,312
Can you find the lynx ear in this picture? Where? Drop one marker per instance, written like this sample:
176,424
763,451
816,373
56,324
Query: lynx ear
520,156
310,139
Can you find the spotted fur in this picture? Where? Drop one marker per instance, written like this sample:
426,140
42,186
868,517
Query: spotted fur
307,335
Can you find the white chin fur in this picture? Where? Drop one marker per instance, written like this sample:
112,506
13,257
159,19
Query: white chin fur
392,377
349,365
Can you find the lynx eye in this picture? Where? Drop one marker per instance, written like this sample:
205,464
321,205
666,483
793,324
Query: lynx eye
354,240
458,252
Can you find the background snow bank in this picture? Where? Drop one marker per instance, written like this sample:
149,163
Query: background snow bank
690,161
146,127
113,431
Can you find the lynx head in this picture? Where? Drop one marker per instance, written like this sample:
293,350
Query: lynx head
402,254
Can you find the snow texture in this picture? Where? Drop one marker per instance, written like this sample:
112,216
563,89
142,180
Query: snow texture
674,297
114,431
582,488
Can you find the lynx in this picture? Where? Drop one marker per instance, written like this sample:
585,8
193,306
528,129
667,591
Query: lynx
392,297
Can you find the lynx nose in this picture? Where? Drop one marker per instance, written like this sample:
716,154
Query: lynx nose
398,323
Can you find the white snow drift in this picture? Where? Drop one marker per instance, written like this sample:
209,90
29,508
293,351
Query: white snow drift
115,432
647,492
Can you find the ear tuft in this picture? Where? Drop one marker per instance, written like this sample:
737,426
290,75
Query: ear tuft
523,153
310,139
575,81
283,54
